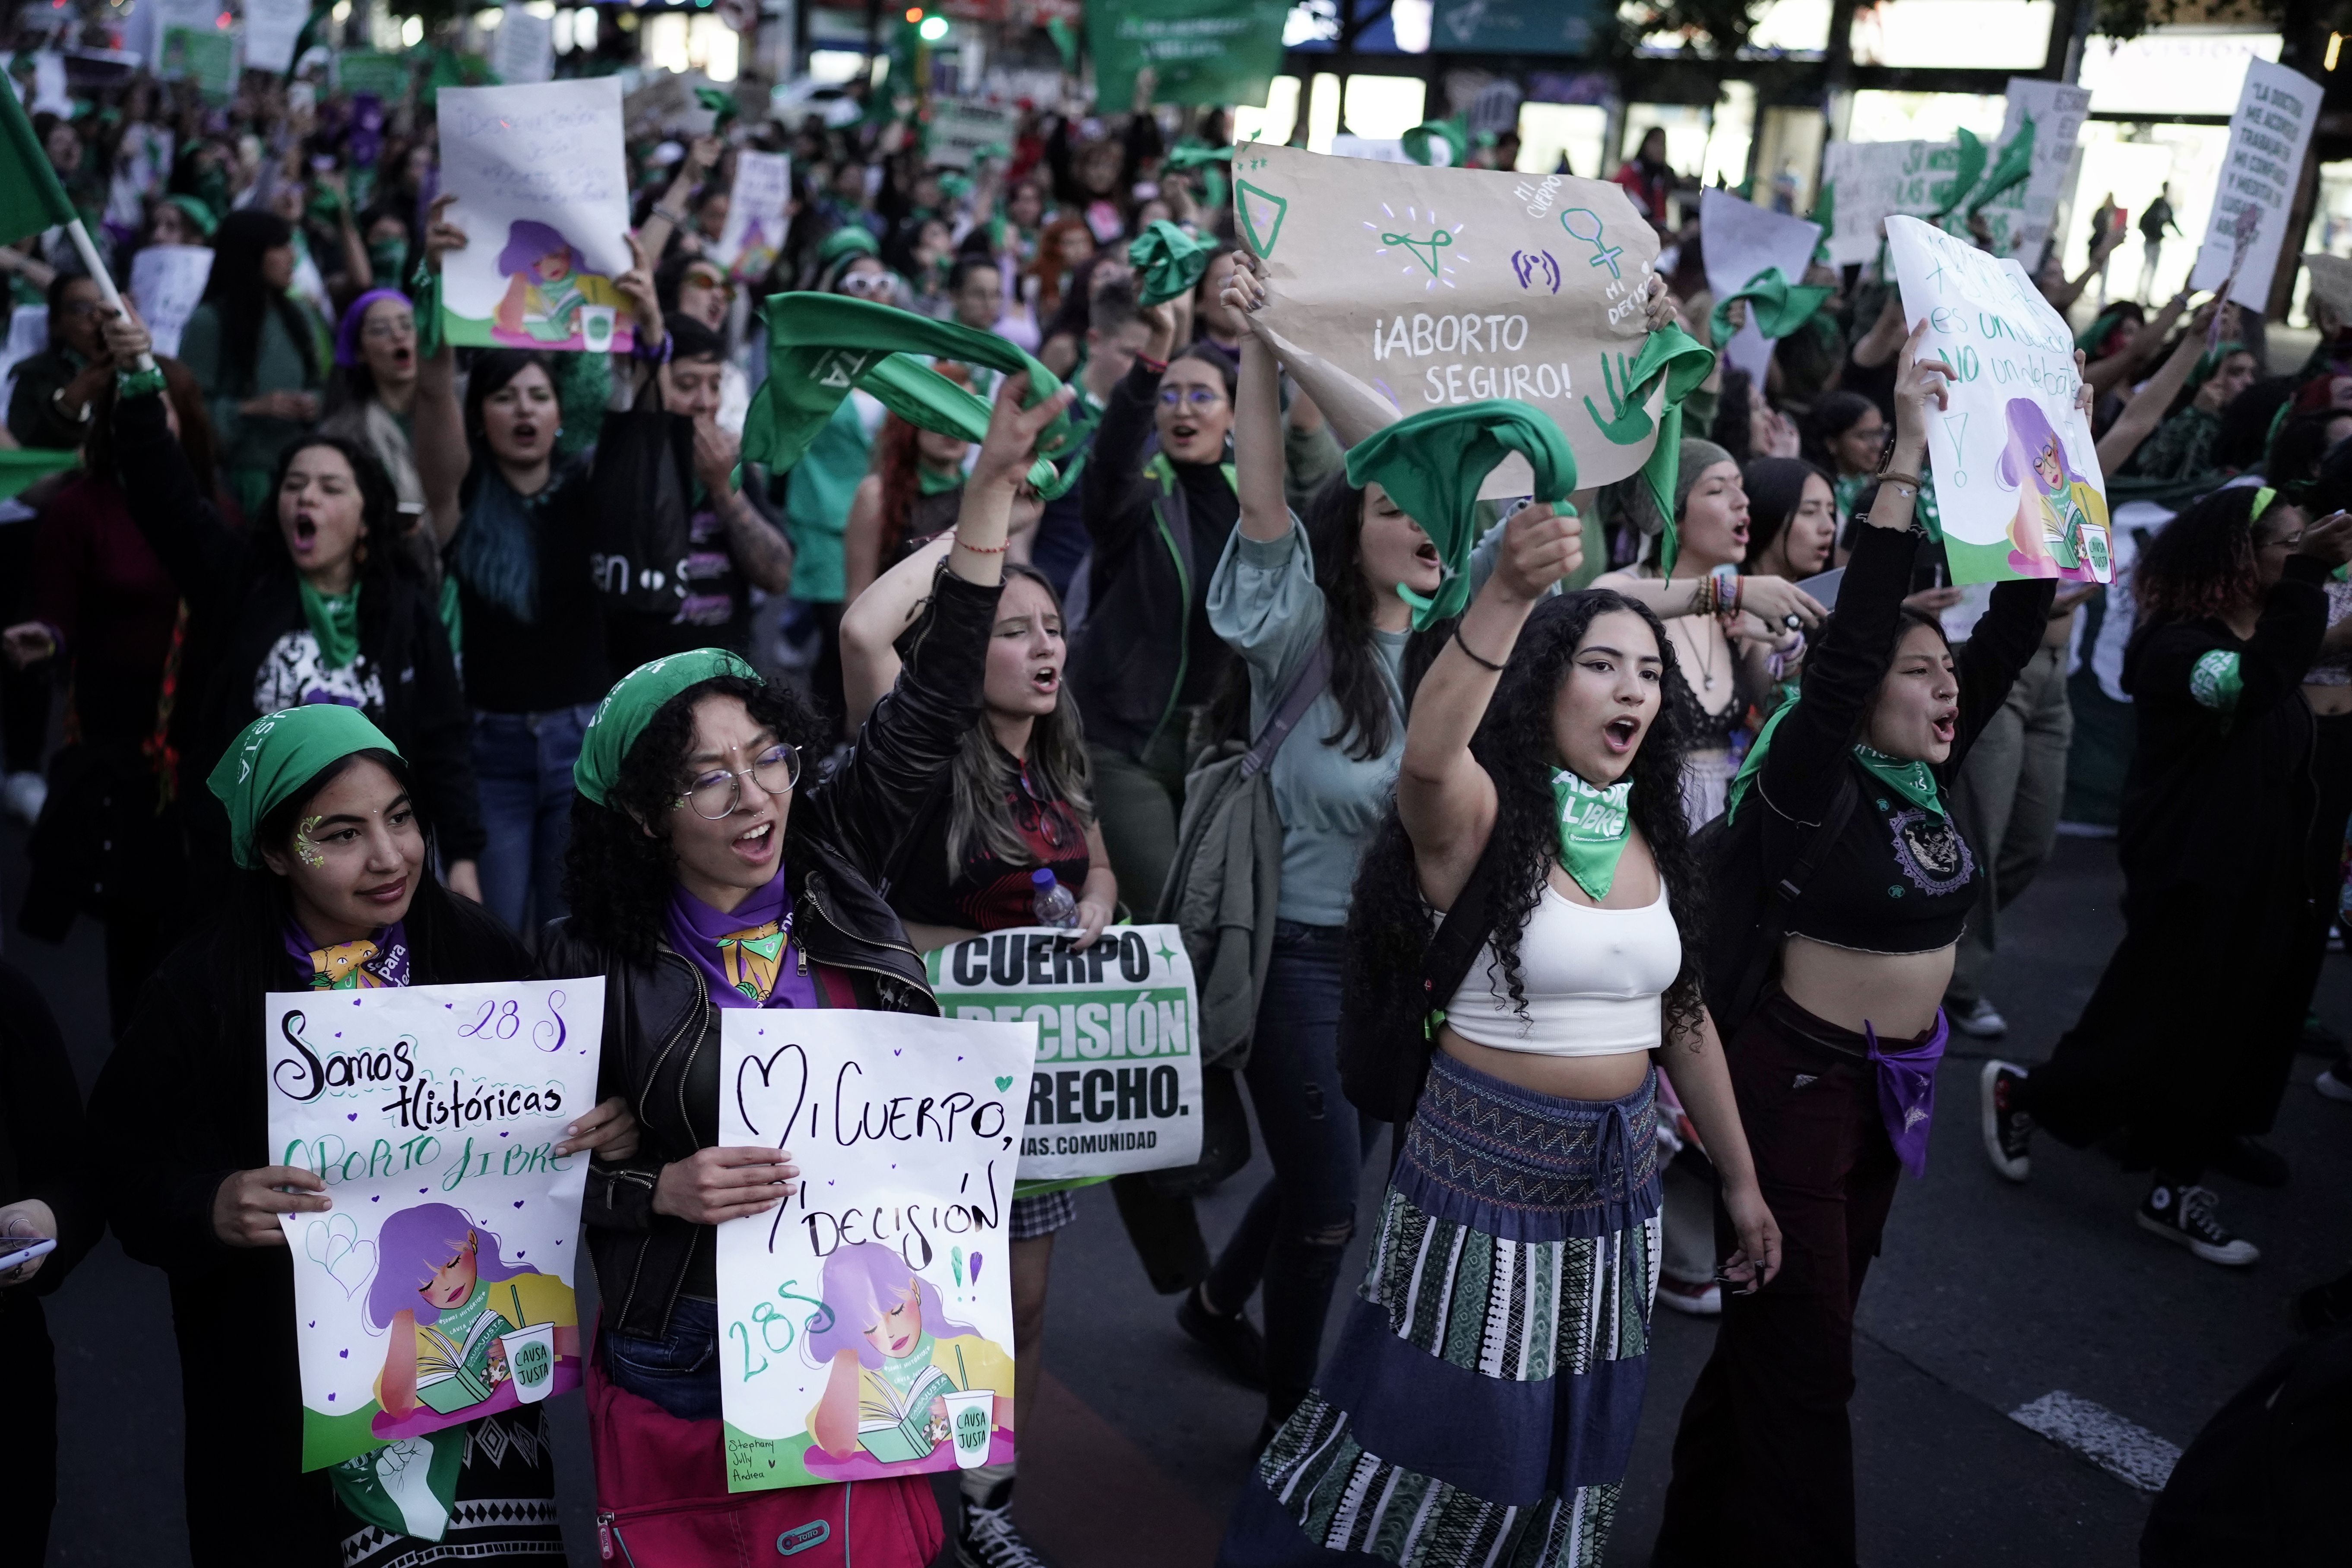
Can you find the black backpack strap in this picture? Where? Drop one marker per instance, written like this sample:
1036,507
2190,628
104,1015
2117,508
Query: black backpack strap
1791,885
1305,687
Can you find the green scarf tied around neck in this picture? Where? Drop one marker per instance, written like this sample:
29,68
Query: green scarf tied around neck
1673,354
1777,306
1906,776
1168,262
335,623
822,345
1432,465
1594,824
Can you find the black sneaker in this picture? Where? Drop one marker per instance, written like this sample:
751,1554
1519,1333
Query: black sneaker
1233,1339
987,1537
2251,1162
2008,1132
2185,1215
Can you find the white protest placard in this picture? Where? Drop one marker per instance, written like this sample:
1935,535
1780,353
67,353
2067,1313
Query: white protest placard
270,28
1872,181
439,1286
1738,239
1379,149
2021,216
522,49
865,1323
28,335
2017,475
2268,135
168,282
754,230
1396,289
50,94
961,129
544,195
1116,1086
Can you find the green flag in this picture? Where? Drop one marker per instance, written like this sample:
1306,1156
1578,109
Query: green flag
31,200
1200,51
23,465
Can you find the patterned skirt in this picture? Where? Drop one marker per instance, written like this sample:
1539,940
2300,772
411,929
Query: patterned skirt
1481,1401
505,1505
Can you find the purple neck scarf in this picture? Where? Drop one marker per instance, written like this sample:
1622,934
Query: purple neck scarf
368,965
745,955
1907,1092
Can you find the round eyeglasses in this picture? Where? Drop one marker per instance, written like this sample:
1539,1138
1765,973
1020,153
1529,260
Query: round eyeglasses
1198,396
714,794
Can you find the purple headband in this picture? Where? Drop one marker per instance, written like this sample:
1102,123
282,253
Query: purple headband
347,335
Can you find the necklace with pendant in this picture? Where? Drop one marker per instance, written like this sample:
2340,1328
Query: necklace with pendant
1705,658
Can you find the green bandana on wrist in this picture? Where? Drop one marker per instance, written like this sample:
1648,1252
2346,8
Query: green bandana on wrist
1432,465
1594,825
631,705
276,754
1906,776
334,622
1168,262
1777,306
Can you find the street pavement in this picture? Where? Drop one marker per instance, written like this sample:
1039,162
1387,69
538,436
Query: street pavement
1989,1299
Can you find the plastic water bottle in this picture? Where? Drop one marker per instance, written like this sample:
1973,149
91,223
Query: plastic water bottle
1052,902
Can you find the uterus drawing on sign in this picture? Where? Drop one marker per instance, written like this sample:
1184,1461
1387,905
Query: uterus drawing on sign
1435,253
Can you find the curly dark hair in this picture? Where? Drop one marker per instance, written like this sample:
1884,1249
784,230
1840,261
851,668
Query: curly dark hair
1387,922
616,875
2201,563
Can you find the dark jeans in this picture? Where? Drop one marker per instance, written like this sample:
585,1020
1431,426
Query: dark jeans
1764,1459
678,1372
522,771
1298,1226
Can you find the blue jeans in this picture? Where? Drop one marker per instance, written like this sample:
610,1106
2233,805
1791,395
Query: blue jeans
523,769
1295,1233
678,1372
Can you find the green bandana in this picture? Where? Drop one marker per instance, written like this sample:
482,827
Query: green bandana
820,345
930,484
1906,776
335,623
849,239
1674,354
1433,463
276,754
2016,163
1167,261
630,705
196,213
1777,306
1452,135
1594,825
1212,163
1969,165
1825,214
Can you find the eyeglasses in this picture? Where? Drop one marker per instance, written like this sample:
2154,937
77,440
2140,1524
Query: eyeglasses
713,281
1197,397
715,794
387,330
868,283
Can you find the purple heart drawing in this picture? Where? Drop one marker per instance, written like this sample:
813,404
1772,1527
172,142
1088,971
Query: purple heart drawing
345,1355
331,1399
897,1053
354,1115
420,1189
517,1203
377,1199
314,1323
501,1134
520,1253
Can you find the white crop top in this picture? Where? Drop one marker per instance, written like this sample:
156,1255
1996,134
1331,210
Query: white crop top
1592,978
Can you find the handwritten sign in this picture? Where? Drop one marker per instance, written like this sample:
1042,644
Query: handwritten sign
1740,239
438,1287
2021,216
960,131
1116,1086
544,195
1873,181
1396,289
168,282
2017,478
271,27
523,50
2268,136
865,1323
754,230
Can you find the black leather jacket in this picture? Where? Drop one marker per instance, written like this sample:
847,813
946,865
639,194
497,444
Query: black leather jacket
841,833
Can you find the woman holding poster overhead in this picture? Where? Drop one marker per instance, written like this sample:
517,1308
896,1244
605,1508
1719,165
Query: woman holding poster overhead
333,891
701,880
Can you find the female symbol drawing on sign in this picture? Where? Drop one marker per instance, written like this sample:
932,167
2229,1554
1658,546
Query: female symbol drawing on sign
1602,255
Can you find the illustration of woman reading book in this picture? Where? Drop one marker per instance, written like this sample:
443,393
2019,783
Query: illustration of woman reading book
2061,527
894,1357
548,283
448,1297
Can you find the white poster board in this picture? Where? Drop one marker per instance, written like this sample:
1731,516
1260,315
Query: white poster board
754,230
28,335
1872,181
168,283
270,28
2268,135
2017,475
522,49
2021,216
439,1286
543,196
865,1323
1738,239
1379,149
960,131
1116,1086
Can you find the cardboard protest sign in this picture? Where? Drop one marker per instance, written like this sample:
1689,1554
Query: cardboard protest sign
1116,1086
544,195
754,230
865,1323
168,282
2021,216
271,27
1396,289
1738,239
523,50
2268,135
960,131
1200,51
2017,476
438,1288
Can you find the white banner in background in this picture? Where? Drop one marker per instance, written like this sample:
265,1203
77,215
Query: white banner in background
754,230
270,28
2268,135
168,282
1738,239
2058,111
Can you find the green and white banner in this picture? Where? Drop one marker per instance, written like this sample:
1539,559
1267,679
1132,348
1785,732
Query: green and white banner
1200,51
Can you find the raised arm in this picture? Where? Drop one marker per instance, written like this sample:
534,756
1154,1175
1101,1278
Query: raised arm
161,492
2116,370
1258,446
2145,411
670,214
442,455
1115,462
870,628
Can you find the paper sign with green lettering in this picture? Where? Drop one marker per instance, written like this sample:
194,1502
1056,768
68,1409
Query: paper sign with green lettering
1200,51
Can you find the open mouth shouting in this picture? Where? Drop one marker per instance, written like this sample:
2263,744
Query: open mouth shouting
756,846
1945,725
1621,734
305,531
1046,679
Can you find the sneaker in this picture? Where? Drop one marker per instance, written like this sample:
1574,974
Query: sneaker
2008,1132
2185,1215
24,795
1979,1020
2251,1162
2336,1083
1704,1299
1233,1339
987,1538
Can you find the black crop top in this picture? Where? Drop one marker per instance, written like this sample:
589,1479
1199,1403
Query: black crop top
1899,879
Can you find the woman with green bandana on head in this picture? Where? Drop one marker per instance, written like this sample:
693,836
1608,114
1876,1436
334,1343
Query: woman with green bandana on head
333,891
1834,1066
316,602
704,875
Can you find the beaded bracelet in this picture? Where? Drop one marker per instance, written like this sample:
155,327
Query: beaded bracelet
982,550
